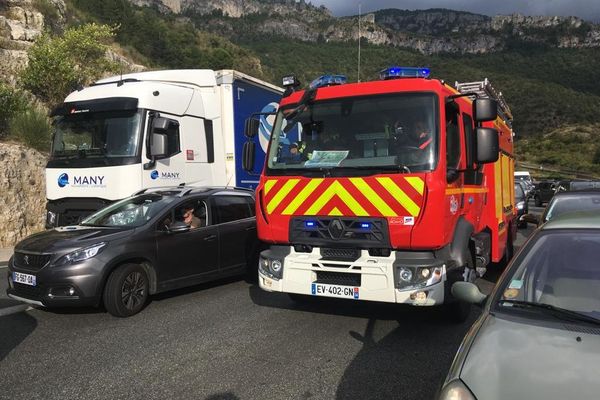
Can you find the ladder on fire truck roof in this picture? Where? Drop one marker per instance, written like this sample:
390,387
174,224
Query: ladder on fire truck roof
486,90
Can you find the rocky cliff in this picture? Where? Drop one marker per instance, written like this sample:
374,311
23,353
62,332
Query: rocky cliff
22,188
428,31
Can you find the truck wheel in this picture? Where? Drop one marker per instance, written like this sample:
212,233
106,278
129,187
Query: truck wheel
459,311
126,290
538,201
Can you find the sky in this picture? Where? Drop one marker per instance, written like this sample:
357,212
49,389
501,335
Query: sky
586,9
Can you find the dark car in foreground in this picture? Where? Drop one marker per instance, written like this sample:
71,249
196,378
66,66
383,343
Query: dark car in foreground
155,241
538,337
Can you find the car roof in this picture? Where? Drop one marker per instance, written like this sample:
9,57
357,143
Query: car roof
183,191
574,220
578,193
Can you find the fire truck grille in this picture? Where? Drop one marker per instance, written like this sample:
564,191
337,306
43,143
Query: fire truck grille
331,232
338,278
340,254
31,262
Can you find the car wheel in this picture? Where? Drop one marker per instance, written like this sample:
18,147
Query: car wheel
538,201
126,290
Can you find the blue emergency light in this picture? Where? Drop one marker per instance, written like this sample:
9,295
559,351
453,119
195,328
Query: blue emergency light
310,224
404,72
328,80
365,225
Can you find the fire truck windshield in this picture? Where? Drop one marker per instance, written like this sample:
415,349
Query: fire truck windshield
365,135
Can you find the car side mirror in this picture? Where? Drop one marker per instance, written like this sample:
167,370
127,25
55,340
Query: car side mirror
530,218
488,145
178,227
468,292
251,127
485,110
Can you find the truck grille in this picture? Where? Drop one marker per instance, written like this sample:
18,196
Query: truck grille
31,262
340,254
338,278
73,217
340,231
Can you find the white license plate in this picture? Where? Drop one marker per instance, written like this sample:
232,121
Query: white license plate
25,279
346,292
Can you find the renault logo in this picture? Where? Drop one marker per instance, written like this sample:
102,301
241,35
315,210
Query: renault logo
336,229
26,259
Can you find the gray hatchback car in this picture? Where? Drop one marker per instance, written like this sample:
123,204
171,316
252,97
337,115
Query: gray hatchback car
539,334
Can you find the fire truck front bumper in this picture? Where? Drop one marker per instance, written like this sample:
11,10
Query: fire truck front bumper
414,278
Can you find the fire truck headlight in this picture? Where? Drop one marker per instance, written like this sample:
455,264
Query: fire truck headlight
272,268
418,277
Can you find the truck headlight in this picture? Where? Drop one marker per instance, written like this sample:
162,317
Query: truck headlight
456,390
273,268
80,255
50,219
418,277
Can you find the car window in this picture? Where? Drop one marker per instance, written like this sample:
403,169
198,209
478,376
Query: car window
567,204
194,213
561,270
131,212
519,193
232,208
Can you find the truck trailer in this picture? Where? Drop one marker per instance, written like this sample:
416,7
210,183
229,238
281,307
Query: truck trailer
389,190
150,129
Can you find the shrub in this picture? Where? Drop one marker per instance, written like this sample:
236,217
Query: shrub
31,127
57,65
11,102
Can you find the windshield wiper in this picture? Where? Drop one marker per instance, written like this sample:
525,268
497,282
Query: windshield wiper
556,311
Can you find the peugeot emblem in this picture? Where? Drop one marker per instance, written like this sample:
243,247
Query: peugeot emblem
336,229
26,259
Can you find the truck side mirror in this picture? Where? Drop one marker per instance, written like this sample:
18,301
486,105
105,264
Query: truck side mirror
488,145
159,146
160,124
251,127
248,156
485,110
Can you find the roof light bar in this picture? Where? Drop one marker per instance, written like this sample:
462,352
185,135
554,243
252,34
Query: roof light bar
404,72
328,80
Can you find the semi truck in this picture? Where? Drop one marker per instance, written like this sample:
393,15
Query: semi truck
388,190
158,128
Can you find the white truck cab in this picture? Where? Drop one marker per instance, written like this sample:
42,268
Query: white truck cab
150,129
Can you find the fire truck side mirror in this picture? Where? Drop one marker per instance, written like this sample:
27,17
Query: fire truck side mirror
488,145
485,110
251,127
248,156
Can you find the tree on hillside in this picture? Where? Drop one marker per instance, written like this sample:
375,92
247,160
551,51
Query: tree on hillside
57,65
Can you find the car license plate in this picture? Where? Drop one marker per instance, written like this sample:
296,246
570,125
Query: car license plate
25,279
346,292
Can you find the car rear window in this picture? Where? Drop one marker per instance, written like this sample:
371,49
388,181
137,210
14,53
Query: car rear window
232,208
567,204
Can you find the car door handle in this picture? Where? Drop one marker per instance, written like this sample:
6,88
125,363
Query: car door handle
210,238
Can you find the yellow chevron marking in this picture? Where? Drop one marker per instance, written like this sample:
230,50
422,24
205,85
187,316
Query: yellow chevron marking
373,197
417,183
269,185
335,212
304,193
400,196
284,191
334,189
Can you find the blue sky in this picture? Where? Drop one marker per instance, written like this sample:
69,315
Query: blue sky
586,9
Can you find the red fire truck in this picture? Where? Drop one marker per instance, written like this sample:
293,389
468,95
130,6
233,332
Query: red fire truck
389,190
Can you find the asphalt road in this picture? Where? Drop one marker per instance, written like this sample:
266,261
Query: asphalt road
230,340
